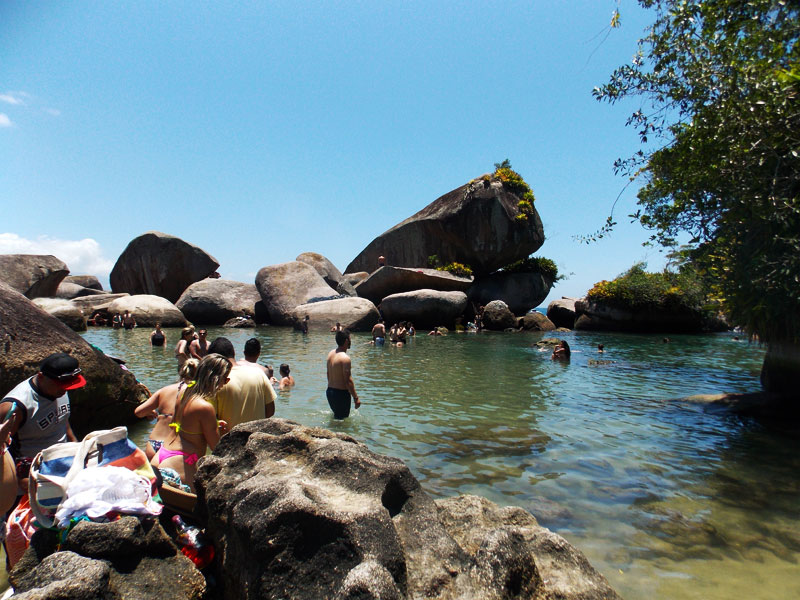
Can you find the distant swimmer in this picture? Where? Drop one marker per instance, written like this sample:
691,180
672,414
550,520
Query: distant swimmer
337,327
128,322
601,348
340,379
304,324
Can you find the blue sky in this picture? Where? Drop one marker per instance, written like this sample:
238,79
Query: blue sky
262,130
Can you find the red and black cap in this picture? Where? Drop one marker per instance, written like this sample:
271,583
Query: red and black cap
64,370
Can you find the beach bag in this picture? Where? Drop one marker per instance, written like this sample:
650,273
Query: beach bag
19,529
54,468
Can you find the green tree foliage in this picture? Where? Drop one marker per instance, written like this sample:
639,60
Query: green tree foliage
719,122
535,264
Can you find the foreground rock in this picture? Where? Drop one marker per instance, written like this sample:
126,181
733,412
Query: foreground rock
128,558
355,314
475,224
562,312
298,512
215,301
28,335
593,316
159,264
32,275
497,316
63,310
285,286
87,281
149,310
520,291
395,280
332,276
68,291
424,308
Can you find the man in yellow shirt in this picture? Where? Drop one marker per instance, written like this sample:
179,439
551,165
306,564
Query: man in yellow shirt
248,396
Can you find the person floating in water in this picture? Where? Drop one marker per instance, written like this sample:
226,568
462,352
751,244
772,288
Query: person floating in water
601,348
562,351
340,379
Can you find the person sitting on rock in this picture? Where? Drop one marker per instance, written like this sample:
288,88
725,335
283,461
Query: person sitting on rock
561,351
194,423
286,379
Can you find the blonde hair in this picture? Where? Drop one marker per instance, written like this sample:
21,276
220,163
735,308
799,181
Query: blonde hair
188,370
186,331
211,374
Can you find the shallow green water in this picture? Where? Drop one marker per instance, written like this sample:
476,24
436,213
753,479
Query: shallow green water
666,500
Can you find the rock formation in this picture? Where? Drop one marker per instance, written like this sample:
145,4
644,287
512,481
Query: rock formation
129,558
424,308
395,280
355,278
520,291
562,312
355,314
33,275
63,310
68,291
101,302
149,310
594,316
28,335
535,321
332,276
160,264
497,316
215,301
288,285
298,512
87,281
476,224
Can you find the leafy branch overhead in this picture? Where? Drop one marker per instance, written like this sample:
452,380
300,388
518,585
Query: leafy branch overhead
718,84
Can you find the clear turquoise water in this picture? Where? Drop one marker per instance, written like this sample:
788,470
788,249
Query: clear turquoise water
665,499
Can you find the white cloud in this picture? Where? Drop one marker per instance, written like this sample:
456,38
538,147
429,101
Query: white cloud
13,97
83,257
5,121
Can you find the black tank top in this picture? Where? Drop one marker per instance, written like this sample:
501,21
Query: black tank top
158,339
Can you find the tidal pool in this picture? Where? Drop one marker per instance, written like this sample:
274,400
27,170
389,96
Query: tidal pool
667,500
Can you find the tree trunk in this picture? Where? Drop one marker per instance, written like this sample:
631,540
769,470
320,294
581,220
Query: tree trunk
780,372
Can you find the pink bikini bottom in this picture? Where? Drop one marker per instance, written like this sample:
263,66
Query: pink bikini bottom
164,454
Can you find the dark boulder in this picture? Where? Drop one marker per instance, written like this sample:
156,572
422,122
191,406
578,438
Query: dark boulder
332,276
69,291
215,301
595,316
395,280
477,224
161,265
87,281
520,291
28,335
285,286
129,558
305,513
562,312
535,321
497,316
424,308
32,275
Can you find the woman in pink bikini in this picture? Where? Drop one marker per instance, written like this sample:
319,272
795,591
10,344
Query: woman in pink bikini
194,426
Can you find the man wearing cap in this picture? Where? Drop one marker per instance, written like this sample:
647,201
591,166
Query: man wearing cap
35,414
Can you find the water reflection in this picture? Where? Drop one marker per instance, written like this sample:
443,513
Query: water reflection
668,501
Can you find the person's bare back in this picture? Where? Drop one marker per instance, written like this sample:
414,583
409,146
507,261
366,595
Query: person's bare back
339,365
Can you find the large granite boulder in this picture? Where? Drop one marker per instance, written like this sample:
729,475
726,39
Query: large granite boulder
424,308
149,310
28,335
288,285
161,265
562,312
305,513
355,278
101,302
63,310
355,314
87,281
395,280
332,276
33,275
520,291
215,301
595,316
498,317
68,291
128,558
535,321
477,224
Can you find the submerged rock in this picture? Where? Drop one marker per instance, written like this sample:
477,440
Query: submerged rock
159,264
299,512
32,275
477,224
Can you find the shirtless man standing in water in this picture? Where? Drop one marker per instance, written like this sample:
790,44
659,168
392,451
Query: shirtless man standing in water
340,380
